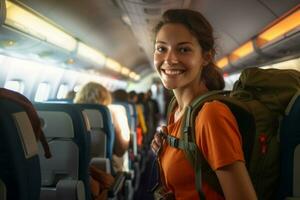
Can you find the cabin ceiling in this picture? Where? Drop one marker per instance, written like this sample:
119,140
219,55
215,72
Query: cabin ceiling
99,23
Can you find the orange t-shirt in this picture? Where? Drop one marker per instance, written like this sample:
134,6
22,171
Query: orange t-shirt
217,136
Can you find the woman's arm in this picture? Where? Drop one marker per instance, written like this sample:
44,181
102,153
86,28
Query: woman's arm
235,182
121,139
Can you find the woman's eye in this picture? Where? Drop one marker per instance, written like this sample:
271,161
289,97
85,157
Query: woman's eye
184,49
160,49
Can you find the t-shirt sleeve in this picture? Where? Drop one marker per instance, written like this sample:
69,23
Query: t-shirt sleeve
217,135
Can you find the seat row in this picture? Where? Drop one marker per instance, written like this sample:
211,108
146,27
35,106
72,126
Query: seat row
77,135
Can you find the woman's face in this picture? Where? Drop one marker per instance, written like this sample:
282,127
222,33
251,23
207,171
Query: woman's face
177,57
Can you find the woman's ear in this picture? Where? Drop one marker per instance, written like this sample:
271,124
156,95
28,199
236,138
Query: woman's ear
207,58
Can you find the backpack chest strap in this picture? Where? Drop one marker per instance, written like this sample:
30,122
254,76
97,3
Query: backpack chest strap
180,144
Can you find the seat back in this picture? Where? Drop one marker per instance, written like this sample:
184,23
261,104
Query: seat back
132,125
69,138
100,122
98,136
19,161
289,184
64,163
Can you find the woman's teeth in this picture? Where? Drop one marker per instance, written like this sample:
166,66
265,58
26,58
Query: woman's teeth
172,72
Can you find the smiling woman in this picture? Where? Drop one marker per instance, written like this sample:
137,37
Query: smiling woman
183,58
49,47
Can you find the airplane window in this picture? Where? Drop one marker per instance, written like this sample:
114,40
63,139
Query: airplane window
15,85
62,91
42,93
77,88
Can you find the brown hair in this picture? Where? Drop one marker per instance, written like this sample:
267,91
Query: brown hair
203,31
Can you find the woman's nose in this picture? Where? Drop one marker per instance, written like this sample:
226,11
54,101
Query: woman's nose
171,58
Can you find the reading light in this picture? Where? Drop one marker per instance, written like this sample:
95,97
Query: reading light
280,28
91,54
222,62
242,51
27,22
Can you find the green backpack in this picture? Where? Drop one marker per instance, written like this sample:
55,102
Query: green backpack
258,101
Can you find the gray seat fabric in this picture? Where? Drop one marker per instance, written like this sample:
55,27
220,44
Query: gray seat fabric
64,164
98,136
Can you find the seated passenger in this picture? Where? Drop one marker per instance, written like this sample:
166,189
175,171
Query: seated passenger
95,93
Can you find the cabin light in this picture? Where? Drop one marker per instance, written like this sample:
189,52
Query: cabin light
125,71
25,21
280,28
132,75
242,51
113,65
91,54
137,77
222,62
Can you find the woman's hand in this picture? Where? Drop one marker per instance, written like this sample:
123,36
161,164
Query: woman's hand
157,141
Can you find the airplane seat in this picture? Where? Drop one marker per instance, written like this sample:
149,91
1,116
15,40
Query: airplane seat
296,188
19,161
98,139
69,140
64,163
99,120
133,123
135,156
289,182
96,121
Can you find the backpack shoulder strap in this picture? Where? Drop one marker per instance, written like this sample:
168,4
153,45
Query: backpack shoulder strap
187,136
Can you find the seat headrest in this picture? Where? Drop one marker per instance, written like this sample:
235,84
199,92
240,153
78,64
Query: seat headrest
95,118
56,124
26,134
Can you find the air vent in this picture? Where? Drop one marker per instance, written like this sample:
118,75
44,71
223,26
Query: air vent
152,11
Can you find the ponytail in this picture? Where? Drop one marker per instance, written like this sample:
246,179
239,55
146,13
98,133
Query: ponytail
212,77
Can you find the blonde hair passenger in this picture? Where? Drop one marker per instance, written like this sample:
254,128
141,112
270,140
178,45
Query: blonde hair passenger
93,93
96,93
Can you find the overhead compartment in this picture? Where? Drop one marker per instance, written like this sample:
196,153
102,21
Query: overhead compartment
18,44
278,42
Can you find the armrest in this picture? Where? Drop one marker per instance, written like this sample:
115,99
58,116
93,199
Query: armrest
117,185
130,175
70,189
102,163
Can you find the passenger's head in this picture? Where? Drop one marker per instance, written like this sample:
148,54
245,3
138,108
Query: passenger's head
141,97
132,96
184,40
70,95
93,93
120,95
